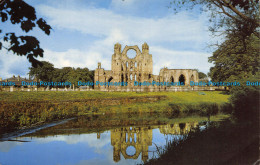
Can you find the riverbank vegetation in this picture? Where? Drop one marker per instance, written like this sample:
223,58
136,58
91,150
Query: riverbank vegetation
219,143
233,141
18,109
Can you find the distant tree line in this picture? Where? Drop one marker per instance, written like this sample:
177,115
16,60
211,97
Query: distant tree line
48,73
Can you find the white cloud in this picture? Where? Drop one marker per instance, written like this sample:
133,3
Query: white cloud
102,22
111,27
74,58
179,59
11,64
128,30
162,57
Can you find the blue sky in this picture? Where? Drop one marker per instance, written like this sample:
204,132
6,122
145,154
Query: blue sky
85,31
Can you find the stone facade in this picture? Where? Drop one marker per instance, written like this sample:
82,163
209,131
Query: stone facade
140,69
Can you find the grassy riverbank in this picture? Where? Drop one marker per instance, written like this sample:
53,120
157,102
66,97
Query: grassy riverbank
27,108
226,142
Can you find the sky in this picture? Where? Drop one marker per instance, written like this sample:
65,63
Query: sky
84,33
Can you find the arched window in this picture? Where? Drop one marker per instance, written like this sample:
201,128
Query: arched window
109,80
131,77
182,127
182,79
131,53
192,78
172,79
122,78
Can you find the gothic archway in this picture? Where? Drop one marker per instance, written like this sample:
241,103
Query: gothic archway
109,80
172,79
192,78
127,48
122,77
182,79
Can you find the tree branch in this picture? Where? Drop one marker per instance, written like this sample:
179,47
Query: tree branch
257,34
224,11
230,6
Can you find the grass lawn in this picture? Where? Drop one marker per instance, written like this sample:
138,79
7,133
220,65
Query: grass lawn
176,97
183,99
20,108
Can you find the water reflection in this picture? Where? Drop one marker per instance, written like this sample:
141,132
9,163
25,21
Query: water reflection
137,138
95,140
178,128
140,138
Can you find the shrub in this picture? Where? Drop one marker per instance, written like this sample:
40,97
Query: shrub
191,109
226,108
175,109
245,100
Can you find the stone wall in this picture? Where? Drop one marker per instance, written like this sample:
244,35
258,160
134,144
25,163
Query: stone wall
139,68
118,89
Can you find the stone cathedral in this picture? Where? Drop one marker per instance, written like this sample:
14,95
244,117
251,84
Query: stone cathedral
140,69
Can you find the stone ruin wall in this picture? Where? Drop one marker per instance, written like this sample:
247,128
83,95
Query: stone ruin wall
140,68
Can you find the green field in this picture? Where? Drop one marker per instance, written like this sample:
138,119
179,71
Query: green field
176,97
27,108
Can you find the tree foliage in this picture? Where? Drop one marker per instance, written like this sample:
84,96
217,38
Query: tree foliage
44,72
232,61
47,72
245,99
19,12
237,18
202,75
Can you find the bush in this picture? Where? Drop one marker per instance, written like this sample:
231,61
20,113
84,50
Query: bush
175,109
226,108
191,109
245,100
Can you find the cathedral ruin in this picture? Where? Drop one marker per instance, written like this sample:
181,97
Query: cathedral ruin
133,73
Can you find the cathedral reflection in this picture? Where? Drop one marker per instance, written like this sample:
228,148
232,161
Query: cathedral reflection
128,142
177,129
140,138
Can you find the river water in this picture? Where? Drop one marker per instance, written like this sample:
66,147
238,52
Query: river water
124,139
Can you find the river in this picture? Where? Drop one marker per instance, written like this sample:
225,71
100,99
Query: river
113,139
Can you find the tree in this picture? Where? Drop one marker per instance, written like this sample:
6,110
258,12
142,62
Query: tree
245,100
44,72
202,75
233,18
83,75
62,74
231,61
48,73
19,12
